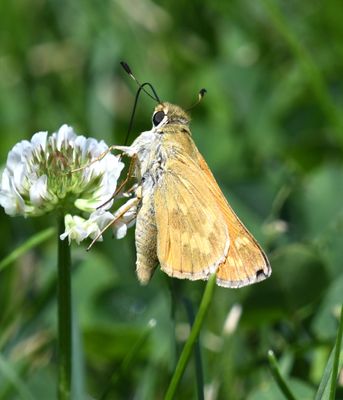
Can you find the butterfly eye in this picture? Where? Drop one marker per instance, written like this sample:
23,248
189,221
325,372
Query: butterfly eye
158,117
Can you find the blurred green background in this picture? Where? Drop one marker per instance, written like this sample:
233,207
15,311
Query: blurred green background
271,129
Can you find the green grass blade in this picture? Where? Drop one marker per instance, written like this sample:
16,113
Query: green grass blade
34,241
283,386
187,350
331,368
199,370
325,378
337,352
10,375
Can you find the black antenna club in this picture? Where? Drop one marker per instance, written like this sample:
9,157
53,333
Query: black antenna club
128,70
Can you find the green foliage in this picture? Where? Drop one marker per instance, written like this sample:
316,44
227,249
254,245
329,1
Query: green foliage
270,127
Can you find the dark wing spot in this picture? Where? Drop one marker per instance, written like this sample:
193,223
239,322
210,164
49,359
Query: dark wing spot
260,275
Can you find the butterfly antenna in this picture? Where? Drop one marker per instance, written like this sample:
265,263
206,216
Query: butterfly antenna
140,89
128,70
201,95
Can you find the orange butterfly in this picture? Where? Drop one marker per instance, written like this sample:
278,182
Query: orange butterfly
184,222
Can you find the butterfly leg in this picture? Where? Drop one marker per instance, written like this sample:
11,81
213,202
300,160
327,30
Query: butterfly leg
129,175
130,204
99,158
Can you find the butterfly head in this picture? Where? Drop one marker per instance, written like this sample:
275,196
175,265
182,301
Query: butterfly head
169,114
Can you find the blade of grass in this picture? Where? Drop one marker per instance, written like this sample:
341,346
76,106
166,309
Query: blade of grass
175,293
326,392
283,386
337,353
34,241
325,378
7,371
199,373
187,350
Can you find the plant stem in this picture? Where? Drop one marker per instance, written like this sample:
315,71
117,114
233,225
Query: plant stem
187,350
64,316
199,373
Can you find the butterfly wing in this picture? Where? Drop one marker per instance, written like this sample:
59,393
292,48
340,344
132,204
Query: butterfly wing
192,236
198,233
246,263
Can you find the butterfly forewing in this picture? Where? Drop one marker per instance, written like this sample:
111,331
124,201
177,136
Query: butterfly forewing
192,234
246,262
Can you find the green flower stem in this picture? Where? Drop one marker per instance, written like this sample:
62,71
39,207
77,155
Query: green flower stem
64,316
187,350
278,377
337,353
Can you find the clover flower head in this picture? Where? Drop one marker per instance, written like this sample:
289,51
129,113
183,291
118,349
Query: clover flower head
40,174
69,173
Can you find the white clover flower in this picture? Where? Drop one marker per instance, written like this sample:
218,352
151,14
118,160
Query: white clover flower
46,174
78,228
38,176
